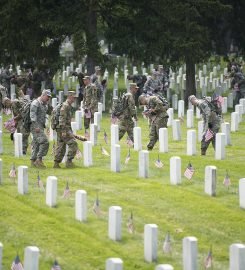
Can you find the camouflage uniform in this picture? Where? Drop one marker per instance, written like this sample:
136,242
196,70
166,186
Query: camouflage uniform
126,123
96,80
3,94
158,119
211,120
90,103
152,85
40,143
16,106
65,118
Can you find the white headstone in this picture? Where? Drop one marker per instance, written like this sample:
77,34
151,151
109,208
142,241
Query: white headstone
1,142
18,149
230,100
115,223
242,102
164,267
190,252
170,112
61,96
78,119
1,122
114,134
242,192
100,108
226,129
239,110
54,102
137,139
237,257
210,180
51,191
190,118
81,205
181,108
150,242
143,163
22,179
234,121
191,143
176,130
31,258
97,119
175,102
224,105
64,74
115,157
163,140
175,170
114,264
220,146
93,134
87,154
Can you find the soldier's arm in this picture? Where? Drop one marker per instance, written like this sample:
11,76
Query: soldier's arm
62,118
131,106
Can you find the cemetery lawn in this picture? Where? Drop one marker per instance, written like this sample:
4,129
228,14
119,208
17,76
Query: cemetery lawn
183,210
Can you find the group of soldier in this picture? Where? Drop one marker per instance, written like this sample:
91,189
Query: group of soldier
149,94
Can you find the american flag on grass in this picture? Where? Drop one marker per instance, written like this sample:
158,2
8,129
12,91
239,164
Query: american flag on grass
104,152
67,192
208,262
96,206
105,137
56,266
227,180
17,265
40,183
167,244
189,171
12,172
158,163
218,98
128,157
130,223
209,135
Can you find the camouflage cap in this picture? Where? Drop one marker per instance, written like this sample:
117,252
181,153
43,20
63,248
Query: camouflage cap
5,100
133,85
47,92
71,94
191,97
86,78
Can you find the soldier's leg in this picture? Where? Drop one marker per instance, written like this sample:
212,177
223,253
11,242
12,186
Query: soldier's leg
72,148
60,149
35,146
43,145
122,130
204,145
130,131
153,137
86,123
25,141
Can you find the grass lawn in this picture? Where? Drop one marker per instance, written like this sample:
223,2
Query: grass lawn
183,210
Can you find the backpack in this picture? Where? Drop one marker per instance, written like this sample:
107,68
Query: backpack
25,114
55,116
214,105
119,105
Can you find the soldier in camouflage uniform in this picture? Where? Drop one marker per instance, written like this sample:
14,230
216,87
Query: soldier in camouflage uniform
211,120
157,114
126,123
64,133
3,94
40,144
153,84
16,105
90,102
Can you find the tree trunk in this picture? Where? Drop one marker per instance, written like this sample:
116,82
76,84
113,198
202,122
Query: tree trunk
190,79
91,35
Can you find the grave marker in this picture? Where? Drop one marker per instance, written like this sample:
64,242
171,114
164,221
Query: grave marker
210,180
22,180
115,223
81,205
150,242
51,191
175,170
190,253
31,258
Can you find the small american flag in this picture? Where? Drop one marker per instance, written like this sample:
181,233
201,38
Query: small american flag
127,157
17,265
56,266
227,180
79,154
96,206
189,171
67,192
130,224
10,125
129,142
105,137
218,98
158,163
208,262
167,244
40,183
209,135
12,173
104,152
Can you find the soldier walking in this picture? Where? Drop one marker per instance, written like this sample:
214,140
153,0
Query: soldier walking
211,121
64,133
40,144
157,114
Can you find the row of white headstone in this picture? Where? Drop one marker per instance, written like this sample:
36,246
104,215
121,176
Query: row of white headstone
189,250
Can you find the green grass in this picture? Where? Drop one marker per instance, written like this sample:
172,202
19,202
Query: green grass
183,210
